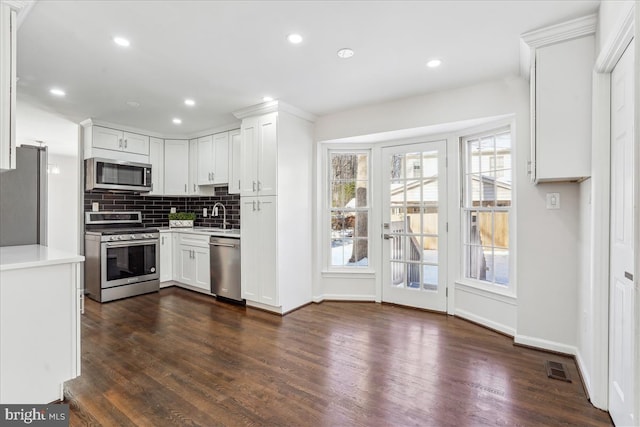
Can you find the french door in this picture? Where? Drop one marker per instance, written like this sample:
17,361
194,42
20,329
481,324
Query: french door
414,225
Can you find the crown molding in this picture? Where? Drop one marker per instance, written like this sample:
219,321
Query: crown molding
564,31
616,44
575,28
271,107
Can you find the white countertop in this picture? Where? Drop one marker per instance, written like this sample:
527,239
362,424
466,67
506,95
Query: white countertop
204,230
27,256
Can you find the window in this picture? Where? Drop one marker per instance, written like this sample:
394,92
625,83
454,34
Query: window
486,206
349,208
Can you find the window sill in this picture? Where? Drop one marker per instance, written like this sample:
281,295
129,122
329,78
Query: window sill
506,295
349,274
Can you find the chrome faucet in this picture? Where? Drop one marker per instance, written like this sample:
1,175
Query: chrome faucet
224,214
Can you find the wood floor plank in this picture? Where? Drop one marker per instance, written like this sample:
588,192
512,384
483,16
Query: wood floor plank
181,358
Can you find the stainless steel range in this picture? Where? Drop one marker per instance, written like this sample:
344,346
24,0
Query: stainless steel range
122,258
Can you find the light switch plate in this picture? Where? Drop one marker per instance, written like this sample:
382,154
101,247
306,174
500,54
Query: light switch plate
95,206
553,200
173,210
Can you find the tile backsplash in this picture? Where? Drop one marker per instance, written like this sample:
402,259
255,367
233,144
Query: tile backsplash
155,209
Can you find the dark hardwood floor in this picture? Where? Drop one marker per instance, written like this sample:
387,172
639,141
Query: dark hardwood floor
181,358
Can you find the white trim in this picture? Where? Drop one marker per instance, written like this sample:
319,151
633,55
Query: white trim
272,107
485,322
486,292
345,297
584,373
573,29
599,252
610,53
265,307
349,273
614,46
532,40
545,344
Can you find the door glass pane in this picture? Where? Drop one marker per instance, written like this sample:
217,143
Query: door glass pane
430,164
397,247
413,165
413,276
430,191
398,274
430,277
430,252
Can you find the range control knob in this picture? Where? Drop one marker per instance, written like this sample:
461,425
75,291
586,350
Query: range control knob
133,236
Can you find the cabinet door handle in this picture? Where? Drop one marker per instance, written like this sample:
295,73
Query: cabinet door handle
258,204
119,142
254,186
254,205
194,188
185,188
213,176
125,143
238,185
259,186
163,240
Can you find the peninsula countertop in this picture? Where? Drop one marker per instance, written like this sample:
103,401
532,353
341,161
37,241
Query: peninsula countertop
28,256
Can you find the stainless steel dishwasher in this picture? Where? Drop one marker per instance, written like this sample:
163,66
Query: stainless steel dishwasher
224,268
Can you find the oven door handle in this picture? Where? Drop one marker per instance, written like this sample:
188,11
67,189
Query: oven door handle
131,243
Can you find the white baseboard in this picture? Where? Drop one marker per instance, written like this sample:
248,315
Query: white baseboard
545,344
485,322
343,297
586,378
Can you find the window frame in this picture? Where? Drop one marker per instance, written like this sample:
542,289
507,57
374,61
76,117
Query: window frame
508,289
328,210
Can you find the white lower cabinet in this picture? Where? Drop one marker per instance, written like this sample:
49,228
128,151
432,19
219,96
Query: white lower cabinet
166,256
193,260
259,250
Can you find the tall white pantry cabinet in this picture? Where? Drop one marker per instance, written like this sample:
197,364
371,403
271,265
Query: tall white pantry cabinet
276,153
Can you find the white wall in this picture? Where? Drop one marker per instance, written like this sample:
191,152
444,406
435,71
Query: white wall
61,138
547,250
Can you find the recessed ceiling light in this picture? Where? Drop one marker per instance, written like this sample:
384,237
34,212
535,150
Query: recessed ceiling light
345,53
133,104
57,92
294,38
267,98
177,121
189,102
434,63
121,41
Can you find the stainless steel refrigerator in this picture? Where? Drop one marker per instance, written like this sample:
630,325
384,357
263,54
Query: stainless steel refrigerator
23,199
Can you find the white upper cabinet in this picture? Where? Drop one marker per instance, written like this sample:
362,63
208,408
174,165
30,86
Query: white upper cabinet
213,159
116,144
112,139
562,59
234,161
259,156
156,158
176,167
8,30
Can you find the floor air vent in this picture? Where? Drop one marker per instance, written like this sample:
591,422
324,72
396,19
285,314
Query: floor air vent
557,371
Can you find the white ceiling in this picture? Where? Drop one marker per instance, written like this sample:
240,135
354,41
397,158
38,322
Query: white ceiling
229,54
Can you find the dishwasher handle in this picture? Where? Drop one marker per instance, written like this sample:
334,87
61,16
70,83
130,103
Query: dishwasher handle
226,245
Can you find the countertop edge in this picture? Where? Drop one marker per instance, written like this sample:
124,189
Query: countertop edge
30,256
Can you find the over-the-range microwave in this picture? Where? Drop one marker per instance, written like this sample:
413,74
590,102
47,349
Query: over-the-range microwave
117,175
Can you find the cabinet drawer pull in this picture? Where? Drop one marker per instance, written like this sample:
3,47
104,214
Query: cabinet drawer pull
125,143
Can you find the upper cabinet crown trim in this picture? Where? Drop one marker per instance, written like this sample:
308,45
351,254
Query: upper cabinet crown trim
564,31
271,107
560,32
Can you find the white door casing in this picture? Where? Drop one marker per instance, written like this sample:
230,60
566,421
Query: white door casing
622,328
